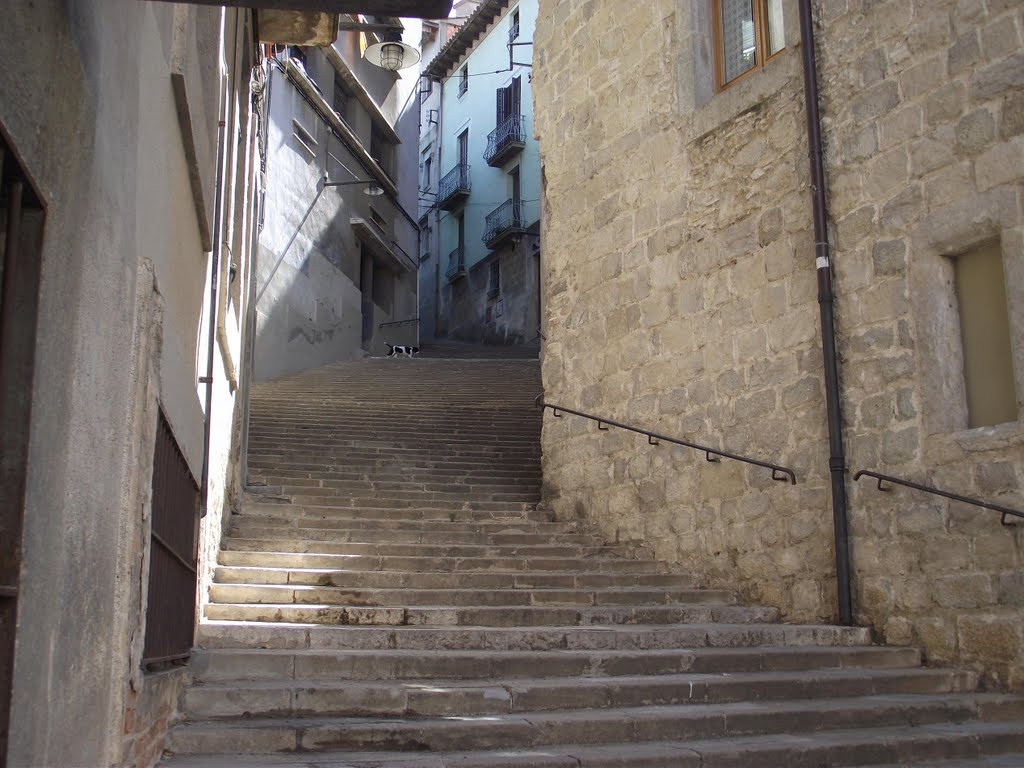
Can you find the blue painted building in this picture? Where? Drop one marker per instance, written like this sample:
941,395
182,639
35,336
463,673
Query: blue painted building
480,181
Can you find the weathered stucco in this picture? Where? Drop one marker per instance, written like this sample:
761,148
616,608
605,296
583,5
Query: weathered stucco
86,101
680,295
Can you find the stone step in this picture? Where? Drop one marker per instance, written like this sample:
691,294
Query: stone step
298,517
317,556
487,616
397,517
384,505
367,492
300,594
255,634
324,529
221,665
415,532
938,745
495,473
617,725
253,574
406,485
322,541
315,697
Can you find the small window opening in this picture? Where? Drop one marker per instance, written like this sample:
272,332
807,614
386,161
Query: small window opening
989,381
463,80
494,280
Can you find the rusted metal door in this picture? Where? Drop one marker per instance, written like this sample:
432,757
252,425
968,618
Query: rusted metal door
21,226
174,537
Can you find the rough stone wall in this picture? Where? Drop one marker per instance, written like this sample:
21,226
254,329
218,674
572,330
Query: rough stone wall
680,296
926,160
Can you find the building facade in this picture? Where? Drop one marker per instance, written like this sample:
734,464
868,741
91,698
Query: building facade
128,217
682,290
480,207
337,267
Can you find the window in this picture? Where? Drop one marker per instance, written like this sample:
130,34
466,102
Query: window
494,280
428,86
508,101
748,33
464,148
426,233
381,150
985,333
428,165
513,30
342,97
463,80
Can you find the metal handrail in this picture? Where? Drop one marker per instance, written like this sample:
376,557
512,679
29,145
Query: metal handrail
455,181
400,322
456,263
946,494
653,438
509,132
506,216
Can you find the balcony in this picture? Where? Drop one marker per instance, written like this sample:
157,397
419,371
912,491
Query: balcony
505,141
453,188
456,265
504,222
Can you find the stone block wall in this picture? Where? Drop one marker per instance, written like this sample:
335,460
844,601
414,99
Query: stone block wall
680,295
925,162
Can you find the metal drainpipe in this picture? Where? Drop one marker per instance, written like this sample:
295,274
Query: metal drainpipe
837,456
214,280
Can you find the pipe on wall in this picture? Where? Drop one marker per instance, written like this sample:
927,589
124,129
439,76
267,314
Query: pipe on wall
819,207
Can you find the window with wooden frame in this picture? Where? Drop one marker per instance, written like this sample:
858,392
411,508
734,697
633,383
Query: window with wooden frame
747,35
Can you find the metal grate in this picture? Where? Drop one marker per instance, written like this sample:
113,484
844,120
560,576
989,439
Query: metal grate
170,611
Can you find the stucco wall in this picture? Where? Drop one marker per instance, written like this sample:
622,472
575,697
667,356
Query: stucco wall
86,101
309,307
680,295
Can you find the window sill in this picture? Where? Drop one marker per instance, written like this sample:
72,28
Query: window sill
745,94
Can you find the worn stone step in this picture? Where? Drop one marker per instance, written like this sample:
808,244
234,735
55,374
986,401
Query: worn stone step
341,474
938,745
315,697
220,665
488,616
321,541
445,533
299,594
269,574
255,634
383,502
450,512
285,515
317,554
608,726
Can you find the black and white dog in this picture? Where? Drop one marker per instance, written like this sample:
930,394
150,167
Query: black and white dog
400,349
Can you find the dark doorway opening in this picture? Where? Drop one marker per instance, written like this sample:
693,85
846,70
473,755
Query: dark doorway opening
21,233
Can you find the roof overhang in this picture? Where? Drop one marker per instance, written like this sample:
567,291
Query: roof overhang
416,9
315,22
378,247
475,25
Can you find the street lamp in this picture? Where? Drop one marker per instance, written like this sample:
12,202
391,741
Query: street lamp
391,53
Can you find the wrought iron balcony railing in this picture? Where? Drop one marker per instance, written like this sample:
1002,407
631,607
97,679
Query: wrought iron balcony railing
503,221
505,140
456,264
453,187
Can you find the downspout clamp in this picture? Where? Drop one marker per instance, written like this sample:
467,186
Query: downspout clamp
837,456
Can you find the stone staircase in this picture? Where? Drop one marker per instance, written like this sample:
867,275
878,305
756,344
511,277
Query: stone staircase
392,596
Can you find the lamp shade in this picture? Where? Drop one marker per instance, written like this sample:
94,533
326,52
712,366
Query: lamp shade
392,55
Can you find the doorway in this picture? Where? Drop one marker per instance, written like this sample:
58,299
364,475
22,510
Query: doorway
21,230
